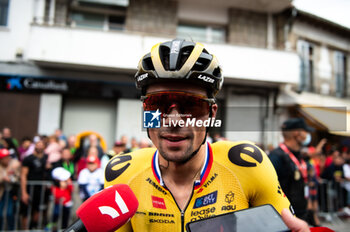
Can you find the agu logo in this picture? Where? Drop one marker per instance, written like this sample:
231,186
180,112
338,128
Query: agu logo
151,119
229,197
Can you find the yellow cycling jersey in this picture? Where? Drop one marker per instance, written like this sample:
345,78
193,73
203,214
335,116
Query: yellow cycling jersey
235,176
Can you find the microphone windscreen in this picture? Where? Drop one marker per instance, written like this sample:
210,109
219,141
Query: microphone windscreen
109,209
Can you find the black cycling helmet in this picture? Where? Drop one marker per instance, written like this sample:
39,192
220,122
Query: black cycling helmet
180,60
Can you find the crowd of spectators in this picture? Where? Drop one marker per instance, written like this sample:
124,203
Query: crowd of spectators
56,159
27,167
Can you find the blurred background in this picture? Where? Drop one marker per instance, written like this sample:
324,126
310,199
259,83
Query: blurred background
69,65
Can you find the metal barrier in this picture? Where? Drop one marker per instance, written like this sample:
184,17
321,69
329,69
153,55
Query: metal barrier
331,197
45,208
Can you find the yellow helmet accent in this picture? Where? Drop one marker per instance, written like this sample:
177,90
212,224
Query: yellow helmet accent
180,60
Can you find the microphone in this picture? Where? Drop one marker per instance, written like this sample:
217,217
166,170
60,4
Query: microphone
107,210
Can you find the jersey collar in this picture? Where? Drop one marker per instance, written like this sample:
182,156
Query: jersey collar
204,172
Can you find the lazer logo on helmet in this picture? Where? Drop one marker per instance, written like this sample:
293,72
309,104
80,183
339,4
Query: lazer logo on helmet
206,78
141,77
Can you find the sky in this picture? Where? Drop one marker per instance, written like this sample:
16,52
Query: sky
337,11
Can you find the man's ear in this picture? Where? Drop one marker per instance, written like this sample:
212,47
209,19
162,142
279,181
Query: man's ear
214,110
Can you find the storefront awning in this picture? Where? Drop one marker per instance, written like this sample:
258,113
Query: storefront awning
328,113
333,119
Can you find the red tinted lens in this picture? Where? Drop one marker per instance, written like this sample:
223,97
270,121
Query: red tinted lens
188,104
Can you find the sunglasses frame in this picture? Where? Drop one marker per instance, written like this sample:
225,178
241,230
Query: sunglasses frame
210,101
202,97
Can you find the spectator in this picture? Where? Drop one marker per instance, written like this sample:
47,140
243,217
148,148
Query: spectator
94,142
144,143
62,191
66,162
134,144
346,170
7,134
312,184
217,137
91,179
81,164
26,148
334,173
53,150
71,144
62,139
290,167
125,140
119,148
33,169
334,170
10,146
9,180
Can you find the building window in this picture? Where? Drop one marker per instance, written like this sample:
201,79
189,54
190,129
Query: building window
211,34
340,71
4,9
116,22
306,54
106,14
91,20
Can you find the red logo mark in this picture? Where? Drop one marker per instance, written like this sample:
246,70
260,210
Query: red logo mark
158,202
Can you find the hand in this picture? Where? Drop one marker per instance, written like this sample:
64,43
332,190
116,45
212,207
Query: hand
25,198
293,223
6,178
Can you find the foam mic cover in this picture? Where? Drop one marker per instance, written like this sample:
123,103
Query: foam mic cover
109,209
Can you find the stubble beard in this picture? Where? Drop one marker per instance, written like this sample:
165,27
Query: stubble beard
180,159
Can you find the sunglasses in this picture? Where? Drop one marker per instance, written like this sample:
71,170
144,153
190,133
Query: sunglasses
188,104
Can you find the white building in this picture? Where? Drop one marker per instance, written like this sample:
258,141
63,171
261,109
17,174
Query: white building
70,64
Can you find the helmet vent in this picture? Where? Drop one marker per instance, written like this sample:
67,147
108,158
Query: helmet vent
164,52
185,53
217,72
201,64
148,64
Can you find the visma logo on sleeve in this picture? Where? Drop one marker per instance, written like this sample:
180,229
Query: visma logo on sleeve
151,119
208,199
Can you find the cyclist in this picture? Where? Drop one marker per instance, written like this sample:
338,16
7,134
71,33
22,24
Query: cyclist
185,178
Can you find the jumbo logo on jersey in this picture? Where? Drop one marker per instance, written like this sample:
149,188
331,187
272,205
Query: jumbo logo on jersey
112,170
208,199
158,202
235,155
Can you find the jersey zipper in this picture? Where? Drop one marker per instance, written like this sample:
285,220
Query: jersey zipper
182,220
182,211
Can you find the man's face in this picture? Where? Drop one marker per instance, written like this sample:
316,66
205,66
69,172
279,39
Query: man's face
175,143
5,161
66,154
300,136
6,133
92,166
119,148
39,147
